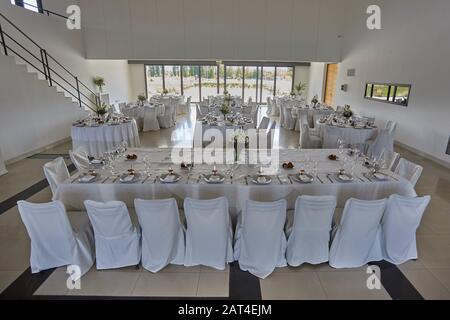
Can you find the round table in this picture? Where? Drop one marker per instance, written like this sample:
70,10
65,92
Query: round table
330,134
97,140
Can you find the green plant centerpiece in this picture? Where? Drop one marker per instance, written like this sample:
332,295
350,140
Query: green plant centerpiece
293,94
347,112
225,109
165,92
141,99
99,82
300,88
101,110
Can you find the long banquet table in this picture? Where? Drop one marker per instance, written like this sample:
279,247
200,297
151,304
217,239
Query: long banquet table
238,190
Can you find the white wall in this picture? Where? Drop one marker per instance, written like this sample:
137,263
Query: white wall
137,78
302,75
316,80
281,30
412,48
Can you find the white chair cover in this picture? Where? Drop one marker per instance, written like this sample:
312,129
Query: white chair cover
150,119
289,122
53,241
390,158
264,123
166,120
307,140
56,172
269,106
309,237
79,158
184,107
399,225
209,233
409,170
162,233
357,237
260,244
117,240
383,141
122,105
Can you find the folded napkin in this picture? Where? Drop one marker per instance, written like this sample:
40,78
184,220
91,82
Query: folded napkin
170,178
87,178
261,179
380,176
129,178
304,178
214,177
344,177
96,161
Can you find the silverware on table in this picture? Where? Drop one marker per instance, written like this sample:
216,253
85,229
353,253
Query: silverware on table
328,176
105,180
318,178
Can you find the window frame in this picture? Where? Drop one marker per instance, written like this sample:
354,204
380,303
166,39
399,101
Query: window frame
23,4
392,92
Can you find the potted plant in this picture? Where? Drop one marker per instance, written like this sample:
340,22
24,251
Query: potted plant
300,88
347,112
99,82
101,110
225,109
165,92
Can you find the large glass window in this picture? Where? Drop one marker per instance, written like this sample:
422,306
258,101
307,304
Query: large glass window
234,79
154,75
191,82
284,80
251,83
268,83
209,81
172,79
33,5
390,93
221,78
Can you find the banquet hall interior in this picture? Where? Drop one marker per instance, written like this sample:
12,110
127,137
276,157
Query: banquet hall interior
234,149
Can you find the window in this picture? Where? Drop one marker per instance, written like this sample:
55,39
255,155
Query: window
191,82
268,83
234,78
209,81
155,83
172,79
389,93
251,83
33,5
284,80
202,80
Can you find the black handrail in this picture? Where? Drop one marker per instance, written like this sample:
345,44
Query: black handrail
42,10
48,71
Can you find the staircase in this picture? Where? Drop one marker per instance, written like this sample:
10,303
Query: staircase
36,59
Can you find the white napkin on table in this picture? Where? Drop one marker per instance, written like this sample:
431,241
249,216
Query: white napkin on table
87,178
169,178
128,178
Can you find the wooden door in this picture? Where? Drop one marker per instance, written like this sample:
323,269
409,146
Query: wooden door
330,85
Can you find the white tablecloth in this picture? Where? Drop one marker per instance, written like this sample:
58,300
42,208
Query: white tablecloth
98,140
72,194
2,165
330,135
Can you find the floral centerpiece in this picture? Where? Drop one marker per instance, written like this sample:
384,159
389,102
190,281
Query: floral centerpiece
225,109
239,138
101,110
315,100
347,112
99,82
141,99
293,94
300,88
165,91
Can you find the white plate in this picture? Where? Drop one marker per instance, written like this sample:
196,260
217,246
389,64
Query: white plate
257,180
96,178
176,178
137,177
309,179
344,177
379,176
219,178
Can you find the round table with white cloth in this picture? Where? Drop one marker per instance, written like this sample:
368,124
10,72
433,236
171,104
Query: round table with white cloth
330,134
97,140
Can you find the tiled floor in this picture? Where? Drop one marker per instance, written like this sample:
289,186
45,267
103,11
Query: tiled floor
430,274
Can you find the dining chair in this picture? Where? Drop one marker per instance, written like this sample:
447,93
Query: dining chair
79,158
289,122
264,124
162,233
399,226
166,120
382,141
357,237
150,122
56,172
117,240
307,140
260,242
309,230
409,170
209,233
54,241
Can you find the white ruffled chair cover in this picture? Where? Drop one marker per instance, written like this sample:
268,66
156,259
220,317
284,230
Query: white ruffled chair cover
399,226
383,141
150,119
307,140
260,242
269,106
56,172
166,120
117,240
409,170
79,158
54,243
162,233
209,234
309,236
289,121
390,158
264,124
184,107
357,237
